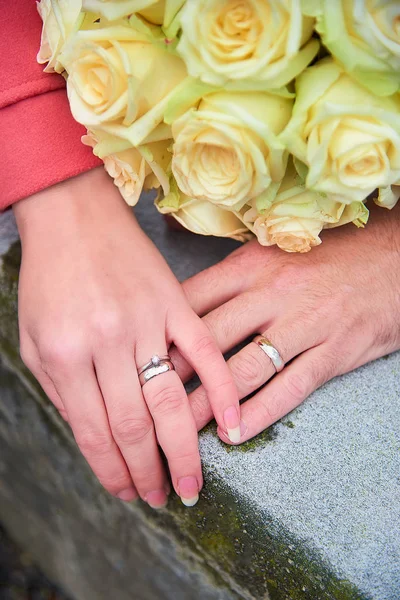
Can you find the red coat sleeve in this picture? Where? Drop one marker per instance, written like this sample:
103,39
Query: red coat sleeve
40,141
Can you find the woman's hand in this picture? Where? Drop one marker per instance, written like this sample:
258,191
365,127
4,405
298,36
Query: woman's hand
96,302
327,312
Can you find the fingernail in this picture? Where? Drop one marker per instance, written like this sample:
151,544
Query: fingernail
232,424
188,490
157,499
242,432
128,495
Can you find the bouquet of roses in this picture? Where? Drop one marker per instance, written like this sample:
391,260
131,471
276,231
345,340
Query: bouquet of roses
274,118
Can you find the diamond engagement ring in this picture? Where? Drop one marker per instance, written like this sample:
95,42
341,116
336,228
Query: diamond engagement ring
270,351
156,366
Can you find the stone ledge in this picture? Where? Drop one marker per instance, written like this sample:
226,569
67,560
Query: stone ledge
307,510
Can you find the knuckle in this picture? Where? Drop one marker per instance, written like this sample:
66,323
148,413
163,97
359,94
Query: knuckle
298,387
200,406
167,400
384,335
131,430
205,347
329,366
114,483
93,442
249,369
62,354
184,457
109,324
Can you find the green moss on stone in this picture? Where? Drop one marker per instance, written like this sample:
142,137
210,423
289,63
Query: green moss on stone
253,555
266,437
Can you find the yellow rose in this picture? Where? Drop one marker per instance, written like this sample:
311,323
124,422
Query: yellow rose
246,41
296,217
204,218
364,36
118,81
132,169
159,12
348,138
227,151
60,19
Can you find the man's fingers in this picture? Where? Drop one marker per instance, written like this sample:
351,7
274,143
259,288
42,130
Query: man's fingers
220,283
286,391
212,287
131,423
251,368
230,324
201,408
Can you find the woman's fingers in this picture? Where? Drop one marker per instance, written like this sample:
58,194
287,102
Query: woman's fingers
176,433
200,349
287,391
75,380
131,423
174,424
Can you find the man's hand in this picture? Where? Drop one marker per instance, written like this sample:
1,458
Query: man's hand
327,312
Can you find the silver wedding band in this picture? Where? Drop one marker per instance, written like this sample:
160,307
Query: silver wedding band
270,351
156,366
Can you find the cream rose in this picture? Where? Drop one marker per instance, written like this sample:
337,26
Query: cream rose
60,19
227,152
246,42
159,12
296,217
348,138
118,81
364,36
204,218
132,169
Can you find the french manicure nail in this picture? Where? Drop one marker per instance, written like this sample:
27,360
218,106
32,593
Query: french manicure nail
190,501
128,495
242,429
188,490
157,499
232,424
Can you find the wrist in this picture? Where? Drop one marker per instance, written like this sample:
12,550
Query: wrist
69,206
